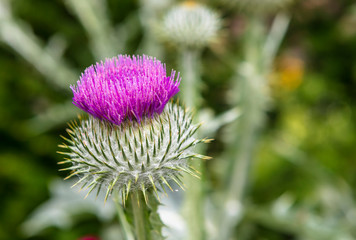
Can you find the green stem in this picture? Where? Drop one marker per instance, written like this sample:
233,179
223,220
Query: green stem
194,204
241,154
274,39
190,66
128,235
194,197
250,89
138,208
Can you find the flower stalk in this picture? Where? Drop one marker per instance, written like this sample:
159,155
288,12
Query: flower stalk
251,86
190,65
194,197
127,232
138,208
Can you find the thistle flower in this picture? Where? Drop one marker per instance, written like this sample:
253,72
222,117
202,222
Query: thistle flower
191,24
125,88
132,140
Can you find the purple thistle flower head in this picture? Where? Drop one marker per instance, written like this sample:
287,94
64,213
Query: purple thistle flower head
125,87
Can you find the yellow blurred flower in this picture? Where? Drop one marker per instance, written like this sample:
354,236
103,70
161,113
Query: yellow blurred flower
289,73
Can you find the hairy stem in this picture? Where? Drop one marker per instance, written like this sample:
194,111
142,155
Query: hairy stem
138,208
251,88
194,197
274,39
190,65
128,235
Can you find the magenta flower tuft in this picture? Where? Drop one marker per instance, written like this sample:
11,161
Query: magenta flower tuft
125,87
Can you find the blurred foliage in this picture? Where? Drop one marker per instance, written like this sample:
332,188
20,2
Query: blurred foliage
304,173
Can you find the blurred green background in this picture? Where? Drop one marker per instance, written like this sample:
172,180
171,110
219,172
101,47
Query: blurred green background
304,166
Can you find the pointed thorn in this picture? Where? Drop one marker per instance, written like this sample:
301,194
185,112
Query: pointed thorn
165,182
130,166
98,191
90,190
80,180
177,182
208,140
144,193
163,188
128,189
123,198
154,187
148,161
136,158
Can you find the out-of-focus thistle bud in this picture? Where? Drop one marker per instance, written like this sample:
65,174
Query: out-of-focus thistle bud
190,24
261,6
132,141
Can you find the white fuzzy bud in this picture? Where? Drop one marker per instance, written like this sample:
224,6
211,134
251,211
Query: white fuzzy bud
190,25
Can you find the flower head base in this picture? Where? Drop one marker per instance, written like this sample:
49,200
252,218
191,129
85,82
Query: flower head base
191,25
132,156
125,87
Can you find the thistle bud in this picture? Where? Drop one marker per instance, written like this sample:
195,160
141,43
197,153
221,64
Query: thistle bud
191,24
132,140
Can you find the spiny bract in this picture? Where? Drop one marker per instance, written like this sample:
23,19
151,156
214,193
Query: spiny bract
132,156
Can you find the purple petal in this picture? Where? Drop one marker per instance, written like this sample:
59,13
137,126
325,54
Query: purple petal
125,87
